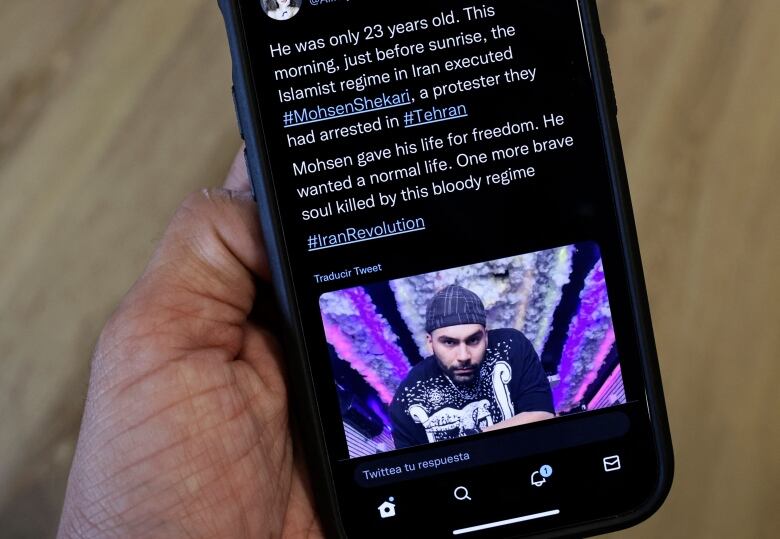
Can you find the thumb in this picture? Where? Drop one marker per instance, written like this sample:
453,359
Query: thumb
199,286
211,247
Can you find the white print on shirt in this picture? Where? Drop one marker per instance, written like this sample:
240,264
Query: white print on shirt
448,411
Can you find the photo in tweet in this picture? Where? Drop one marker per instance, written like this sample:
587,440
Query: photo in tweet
472,349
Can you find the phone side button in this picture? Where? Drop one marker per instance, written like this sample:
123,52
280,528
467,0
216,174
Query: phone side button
235,107
251,183
605,56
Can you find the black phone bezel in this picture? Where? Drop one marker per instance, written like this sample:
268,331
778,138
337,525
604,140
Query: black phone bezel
306,413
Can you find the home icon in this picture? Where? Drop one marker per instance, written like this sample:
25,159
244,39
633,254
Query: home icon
387,509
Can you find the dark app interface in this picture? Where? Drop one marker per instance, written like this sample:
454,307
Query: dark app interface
451,232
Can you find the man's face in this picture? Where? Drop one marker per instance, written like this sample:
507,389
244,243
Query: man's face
459,350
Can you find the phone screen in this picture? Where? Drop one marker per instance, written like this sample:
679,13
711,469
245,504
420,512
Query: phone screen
454,246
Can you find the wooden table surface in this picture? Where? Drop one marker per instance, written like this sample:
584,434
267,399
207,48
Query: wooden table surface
111,111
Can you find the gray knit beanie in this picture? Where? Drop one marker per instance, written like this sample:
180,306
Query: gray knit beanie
454,306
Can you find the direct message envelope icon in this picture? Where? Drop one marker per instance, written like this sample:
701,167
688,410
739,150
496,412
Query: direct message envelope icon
387,509
612,464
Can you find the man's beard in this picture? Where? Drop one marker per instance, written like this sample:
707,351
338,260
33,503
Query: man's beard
464,379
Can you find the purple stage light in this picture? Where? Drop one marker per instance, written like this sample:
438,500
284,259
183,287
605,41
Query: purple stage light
381,333
590,339
347,352
364,339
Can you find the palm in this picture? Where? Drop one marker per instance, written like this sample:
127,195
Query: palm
201,447
186,422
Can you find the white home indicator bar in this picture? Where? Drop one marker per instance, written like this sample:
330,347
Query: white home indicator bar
507,522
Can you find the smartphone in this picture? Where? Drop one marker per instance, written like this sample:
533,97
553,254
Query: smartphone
444,201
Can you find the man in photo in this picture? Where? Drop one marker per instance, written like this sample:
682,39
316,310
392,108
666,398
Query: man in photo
476,380
281,10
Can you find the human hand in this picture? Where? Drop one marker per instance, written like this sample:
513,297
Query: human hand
185,431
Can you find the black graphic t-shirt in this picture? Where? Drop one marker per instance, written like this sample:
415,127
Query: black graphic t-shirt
429,407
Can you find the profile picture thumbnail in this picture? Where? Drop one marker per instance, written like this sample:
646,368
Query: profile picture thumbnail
281,10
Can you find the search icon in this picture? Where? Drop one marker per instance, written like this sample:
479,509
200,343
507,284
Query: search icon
461,494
